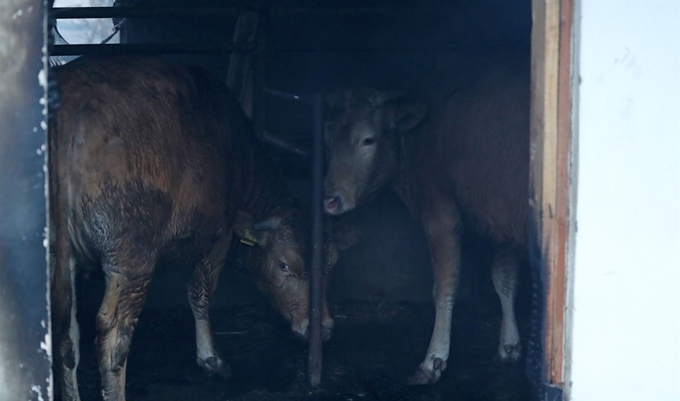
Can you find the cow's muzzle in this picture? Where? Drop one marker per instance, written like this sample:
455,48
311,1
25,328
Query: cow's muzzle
302,330
333,204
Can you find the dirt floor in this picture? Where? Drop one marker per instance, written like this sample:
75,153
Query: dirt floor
374,349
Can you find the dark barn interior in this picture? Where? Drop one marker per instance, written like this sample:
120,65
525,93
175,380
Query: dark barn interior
380,291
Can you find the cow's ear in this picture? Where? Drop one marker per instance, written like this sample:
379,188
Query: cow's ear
274,219
268,223
345,235
245,230
406,116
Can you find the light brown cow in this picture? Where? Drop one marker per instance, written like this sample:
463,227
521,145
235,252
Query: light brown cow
457,161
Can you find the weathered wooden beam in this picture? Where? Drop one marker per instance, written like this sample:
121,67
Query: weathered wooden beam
550,154
565,224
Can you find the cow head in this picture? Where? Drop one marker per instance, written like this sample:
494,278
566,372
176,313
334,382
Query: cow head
362,128
280,268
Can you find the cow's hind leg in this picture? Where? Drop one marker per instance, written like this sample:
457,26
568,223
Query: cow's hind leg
200,292
505,275
128,276
66,335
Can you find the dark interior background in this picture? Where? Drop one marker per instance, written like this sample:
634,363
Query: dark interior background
391,263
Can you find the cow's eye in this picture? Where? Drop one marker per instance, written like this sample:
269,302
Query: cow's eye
284,267
368,141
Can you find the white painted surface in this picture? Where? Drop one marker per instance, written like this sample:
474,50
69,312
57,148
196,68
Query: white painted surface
626,317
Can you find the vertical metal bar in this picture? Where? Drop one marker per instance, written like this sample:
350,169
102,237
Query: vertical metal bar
316,271
259,76
25,346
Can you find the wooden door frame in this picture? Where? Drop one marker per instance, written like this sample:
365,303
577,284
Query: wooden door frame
552,153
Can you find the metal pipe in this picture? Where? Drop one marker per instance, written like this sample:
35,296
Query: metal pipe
316,271
150,48
141,12
232,10
245,47
284,144
363,47
364,11
283,95
25,343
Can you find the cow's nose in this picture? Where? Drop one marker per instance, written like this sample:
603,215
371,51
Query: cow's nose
302,329
332,204
326,332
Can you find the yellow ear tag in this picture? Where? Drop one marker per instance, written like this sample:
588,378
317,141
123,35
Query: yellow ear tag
249,239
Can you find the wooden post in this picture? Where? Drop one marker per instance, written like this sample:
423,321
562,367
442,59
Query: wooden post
550,154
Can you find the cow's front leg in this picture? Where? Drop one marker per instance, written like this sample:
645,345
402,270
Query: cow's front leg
442,225
504,275
201,290
127,282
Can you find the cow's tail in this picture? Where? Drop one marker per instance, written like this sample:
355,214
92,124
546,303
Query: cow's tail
65,332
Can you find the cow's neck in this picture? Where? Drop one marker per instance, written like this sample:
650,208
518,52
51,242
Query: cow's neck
264,186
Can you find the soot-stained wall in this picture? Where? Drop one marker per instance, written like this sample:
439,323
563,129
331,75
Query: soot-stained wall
392,261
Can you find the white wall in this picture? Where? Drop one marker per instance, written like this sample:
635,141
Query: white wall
626,316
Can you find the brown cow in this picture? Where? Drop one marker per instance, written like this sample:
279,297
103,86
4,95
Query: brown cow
457,161
144,155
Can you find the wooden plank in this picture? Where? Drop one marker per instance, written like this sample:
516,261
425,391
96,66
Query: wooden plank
557,283
544,167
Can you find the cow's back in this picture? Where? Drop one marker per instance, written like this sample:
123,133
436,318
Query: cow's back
477,145
133,131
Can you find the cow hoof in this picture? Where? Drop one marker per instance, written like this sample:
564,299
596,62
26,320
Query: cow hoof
428,373
214,366
510,353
